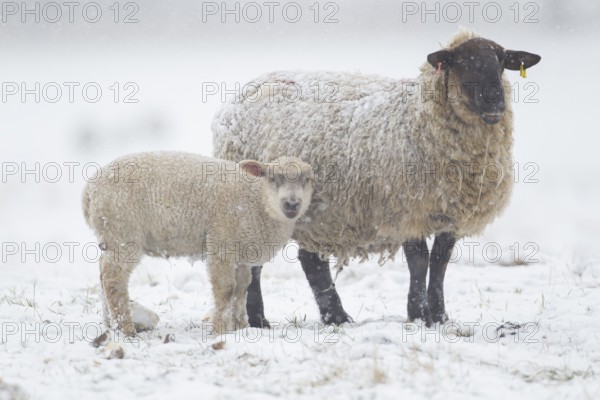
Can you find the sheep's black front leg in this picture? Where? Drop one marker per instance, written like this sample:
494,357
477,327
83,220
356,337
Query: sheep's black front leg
254,302
417,256
440,255
319,278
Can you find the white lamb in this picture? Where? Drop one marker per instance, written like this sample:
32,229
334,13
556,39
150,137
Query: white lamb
179,204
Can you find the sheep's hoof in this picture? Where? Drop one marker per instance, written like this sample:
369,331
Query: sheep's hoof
259,321
419,310
337,317
435,299
330,307
439,316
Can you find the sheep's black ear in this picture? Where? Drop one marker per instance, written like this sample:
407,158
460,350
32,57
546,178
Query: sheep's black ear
253,168
515,58
443,56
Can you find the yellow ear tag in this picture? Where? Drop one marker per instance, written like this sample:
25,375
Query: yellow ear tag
523,71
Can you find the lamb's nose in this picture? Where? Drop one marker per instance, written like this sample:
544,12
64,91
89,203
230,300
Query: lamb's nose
291,205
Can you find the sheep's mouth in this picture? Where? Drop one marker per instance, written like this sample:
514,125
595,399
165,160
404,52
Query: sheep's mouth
491,118
291,214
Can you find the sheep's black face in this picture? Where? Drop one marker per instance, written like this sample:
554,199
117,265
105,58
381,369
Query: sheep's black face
478,65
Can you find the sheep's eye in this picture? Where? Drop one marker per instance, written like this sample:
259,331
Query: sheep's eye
276,179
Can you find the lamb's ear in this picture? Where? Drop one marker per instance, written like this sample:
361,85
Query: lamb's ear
515,58
253,168
443,56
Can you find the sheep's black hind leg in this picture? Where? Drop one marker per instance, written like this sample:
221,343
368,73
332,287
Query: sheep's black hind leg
254,302
319,278
440,255
417,256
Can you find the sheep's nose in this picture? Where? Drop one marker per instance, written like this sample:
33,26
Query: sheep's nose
291,206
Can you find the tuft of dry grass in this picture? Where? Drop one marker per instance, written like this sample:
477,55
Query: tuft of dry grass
553,374
17,298
12,392
379,375
517,262
296,321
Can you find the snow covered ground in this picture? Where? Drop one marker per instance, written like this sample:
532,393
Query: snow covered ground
517,328
554,353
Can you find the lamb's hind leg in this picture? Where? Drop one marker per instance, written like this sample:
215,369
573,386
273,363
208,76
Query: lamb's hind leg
417,256
440,255
319,278
114,278
254,302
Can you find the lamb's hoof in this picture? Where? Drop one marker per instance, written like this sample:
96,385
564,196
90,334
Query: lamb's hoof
102,339
241,321
259,321
143,318
336,317
419,310
128,329
221,324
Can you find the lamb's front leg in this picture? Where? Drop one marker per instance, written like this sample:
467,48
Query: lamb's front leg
440,255
222,278
242,280
417,256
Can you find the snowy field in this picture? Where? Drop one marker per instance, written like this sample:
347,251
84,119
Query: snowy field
523,299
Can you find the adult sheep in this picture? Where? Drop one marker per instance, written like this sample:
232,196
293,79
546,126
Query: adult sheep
410,159
172,204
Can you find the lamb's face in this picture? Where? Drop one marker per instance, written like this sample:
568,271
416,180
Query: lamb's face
477,66
288,185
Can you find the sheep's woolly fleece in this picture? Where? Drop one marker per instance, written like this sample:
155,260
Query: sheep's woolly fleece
373,149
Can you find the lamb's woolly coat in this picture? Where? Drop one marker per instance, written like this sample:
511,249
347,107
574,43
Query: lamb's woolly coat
182,204
365,147
179,204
